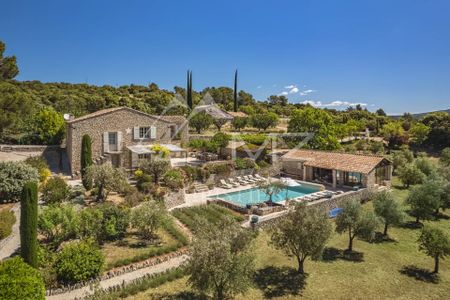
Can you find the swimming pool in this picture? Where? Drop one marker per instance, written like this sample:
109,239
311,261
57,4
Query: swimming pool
255,195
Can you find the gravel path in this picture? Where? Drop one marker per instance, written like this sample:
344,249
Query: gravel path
9,245
124,278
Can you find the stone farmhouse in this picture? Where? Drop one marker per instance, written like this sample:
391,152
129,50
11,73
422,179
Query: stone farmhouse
123,135
337,169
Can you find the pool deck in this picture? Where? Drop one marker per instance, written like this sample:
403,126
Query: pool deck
201,198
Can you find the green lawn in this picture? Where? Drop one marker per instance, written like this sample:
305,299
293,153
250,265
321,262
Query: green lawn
383,270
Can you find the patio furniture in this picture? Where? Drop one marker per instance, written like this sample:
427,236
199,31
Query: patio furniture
225,185
242,181
231,182
259,177
256,178
246,177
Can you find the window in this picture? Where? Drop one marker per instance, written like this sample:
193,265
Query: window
144,132
112,138
144,156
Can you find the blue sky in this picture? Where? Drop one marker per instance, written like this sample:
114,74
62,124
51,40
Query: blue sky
393,54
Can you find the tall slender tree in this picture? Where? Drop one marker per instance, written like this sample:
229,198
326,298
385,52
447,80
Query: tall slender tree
28,223
189,89
86,159
235,106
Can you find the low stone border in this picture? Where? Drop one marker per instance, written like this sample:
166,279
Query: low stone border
116,272
28,148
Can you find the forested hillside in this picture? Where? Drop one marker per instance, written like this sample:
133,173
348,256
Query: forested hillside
32,111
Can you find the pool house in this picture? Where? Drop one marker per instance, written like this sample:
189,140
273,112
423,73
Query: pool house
337,169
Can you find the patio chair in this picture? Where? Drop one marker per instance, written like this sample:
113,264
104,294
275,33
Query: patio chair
232,183
225,185
242,181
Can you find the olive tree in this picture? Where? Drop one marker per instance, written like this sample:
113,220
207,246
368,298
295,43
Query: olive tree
388,210
147,217
355,222
425,200
271,188
435,243
105,179
302,233
221,262
156,167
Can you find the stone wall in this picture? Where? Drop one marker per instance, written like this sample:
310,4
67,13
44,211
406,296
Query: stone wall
327,204
117,121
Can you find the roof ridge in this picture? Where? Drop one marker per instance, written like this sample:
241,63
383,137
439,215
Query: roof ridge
338,151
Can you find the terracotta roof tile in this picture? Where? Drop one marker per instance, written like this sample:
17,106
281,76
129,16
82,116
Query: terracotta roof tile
335,160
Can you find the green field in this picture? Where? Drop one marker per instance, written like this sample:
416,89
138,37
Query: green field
383,270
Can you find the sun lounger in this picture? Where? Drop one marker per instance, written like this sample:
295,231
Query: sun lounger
233,181
249,179
234,184
256,178
242,181
259,177
225,185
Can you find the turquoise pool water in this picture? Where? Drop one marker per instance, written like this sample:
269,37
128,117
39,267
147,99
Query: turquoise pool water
255,195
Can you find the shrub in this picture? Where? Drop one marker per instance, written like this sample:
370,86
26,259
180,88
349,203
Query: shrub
20,281
133,198
256,139
13,176
245,163
7,220
28,223
144,183
173,179
58,224
115,222
147,282
78,261
201,121
40,164
221,139
55,190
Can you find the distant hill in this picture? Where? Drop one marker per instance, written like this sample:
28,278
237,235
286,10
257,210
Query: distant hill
420,115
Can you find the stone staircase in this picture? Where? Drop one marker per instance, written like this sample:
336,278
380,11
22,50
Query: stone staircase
200,187
96,161
101,159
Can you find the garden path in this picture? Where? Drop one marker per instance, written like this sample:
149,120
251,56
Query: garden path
10,245
118,280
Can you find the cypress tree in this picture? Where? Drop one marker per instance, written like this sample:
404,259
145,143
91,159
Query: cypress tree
86,159
28,223
189,89
235,106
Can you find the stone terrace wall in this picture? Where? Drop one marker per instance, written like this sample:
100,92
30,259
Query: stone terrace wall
327,204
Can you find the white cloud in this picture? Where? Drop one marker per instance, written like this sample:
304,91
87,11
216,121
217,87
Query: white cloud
259,86
291,86
306,92
333,103
284,93
294,90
